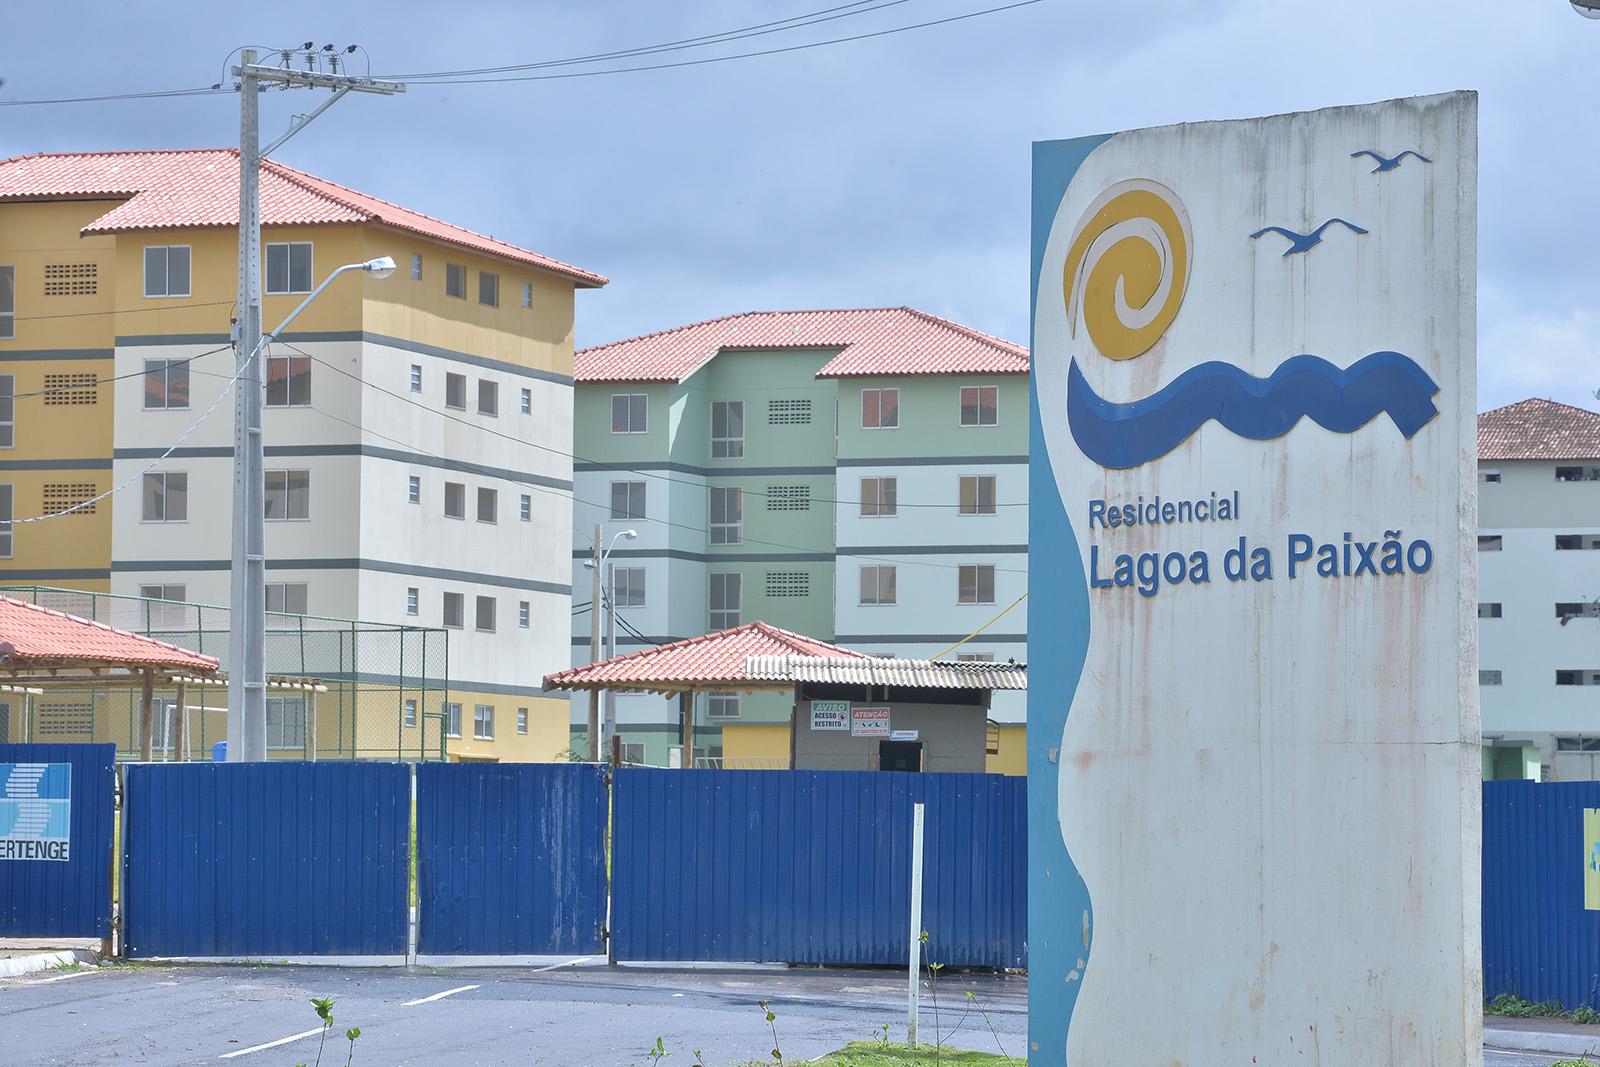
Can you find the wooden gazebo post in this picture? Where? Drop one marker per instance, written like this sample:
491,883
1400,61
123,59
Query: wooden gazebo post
146,713
686,725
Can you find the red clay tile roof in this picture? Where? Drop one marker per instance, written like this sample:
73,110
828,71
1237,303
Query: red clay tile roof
45,637
1538,429
197,187
872,341
714,659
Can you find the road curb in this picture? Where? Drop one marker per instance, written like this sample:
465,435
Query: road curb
11,966
1540,1041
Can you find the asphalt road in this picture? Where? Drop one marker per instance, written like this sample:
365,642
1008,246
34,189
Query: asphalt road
570,1013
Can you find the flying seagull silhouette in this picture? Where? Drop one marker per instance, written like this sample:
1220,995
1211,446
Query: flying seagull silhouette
1388,164
1304,242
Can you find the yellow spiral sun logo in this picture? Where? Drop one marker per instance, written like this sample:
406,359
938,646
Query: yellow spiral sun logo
1127,267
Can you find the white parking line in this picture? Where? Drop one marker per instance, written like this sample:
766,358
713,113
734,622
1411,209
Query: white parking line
557,966
437,996
269,1044
64,977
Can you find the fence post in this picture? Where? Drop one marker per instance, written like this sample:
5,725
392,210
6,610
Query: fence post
915,965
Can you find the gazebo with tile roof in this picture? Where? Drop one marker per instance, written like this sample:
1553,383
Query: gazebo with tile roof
41,648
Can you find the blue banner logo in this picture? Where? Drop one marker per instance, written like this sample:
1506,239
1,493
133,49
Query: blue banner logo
35,811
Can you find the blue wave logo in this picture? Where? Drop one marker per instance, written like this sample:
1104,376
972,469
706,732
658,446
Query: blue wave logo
1127,435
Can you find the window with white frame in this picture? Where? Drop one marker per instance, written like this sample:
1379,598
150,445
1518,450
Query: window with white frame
455,391
627,587
627,500
286,722
455,500
455,281
8,302
977,494
166,384
170,591
525,401
975,583
524,614
630,412
483,618
409,716
286,598
483,722
525,507
527,294
877,584
6,494
488,289
288,267
8,411
633,753
879,497
880,409
722,705
455,607
288,381
727,429
165,610
727,515
288,496
723,597
166,270
413,599
452,719
416,377
488,397
980,405
416,266
522,720
414,489
975,657
166,496
488,504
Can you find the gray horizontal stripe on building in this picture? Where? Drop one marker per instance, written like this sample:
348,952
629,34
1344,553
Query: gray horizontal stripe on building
702,730
56,353
369,451
903,639
357,335
592,467
932,461
8,577
410,684
705,557
931,550
55,464
624,639
351,564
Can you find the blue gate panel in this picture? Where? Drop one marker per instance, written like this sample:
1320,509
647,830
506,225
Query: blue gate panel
257,859
55,801
815,866
511,858
1539,942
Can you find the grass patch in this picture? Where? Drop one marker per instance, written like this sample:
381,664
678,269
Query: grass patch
878,1054
1514,1007
1573,1063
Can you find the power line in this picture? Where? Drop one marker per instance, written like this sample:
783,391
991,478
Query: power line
52,390
125,311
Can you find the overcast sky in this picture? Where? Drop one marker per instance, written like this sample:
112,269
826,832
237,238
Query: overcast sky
884,171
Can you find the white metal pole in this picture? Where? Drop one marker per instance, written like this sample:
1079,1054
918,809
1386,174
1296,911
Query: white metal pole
915,965
611,653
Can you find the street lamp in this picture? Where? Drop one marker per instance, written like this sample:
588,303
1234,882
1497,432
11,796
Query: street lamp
1589,9
247,654
600,568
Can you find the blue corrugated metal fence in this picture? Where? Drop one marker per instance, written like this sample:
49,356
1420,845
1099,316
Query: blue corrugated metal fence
814,866
511,858
1539,942
53,897
252,859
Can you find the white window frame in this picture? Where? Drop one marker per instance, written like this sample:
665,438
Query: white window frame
491,388
522,720
961,405
460,600
289,248
879,393
491,280
877,571
416,266
284,590
977,481
413,489
286,706
525,402
416,378
524,614
527,294
628,587
452,718
8,315
166,250
878,510
453,271
287,474
450,378
727,532
7,529
736,611
727,446
165,368
628,513
483,722
165,478
477,614
723,706
413,600
8,411
977,570
492,496
409,713
525,507
288,382
462,513
634,403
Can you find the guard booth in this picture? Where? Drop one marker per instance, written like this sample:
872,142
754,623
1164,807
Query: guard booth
853,714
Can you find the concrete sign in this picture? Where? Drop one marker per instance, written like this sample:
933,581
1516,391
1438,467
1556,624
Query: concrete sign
1252,720
869,722
830,715
36,811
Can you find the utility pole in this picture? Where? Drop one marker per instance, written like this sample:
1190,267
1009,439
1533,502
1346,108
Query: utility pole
594,653
247,653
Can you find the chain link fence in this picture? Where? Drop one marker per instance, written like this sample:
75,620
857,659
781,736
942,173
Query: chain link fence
337,689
